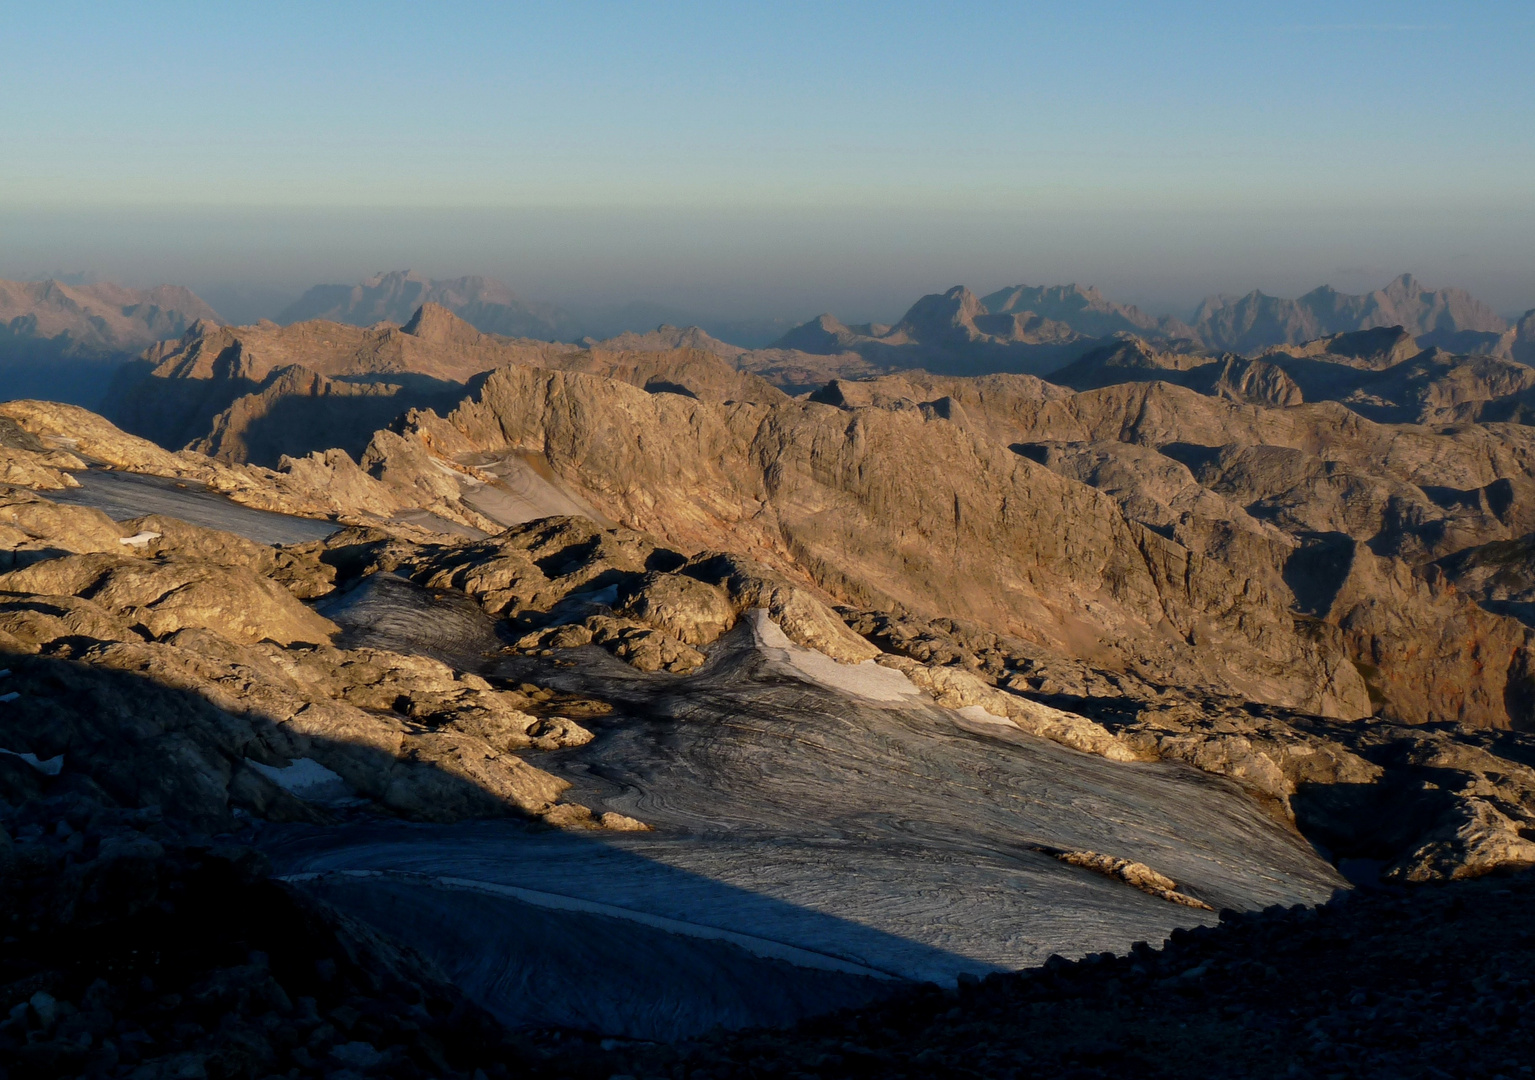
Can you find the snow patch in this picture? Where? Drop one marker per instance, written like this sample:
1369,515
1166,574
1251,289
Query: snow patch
607,596
578,605
867,680
49,767
977,714
306,779
139,539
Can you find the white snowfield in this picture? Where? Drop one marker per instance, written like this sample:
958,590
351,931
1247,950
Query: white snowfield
307,779
866,680
139,539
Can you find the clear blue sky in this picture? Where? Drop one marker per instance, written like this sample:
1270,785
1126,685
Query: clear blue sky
775,156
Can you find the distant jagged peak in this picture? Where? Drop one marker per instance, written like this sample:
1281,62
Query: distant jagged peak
1120,359
101,318
202,328
1037,297
1256,321
435,323
488,305
1084,309
394,279
954,309
1070,289
1522,348
824,335
959,317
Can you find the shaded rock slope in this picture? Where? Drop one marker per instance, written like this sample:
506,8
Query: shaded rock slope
1432,985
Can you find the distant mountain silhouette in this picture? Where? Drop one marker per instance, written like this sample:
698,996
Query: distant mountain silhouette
957,333
1523,348
491,307
1258,321
666,337
485,303
256,393
63,341
99,319
1035,330
1085,310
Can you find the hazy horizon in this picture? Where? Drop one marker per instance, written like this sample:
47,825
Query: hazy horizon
869,278
756,162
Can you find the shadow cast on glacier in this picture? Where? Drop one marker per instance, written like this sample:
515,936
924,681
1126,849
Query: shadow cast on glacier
613,966
115,738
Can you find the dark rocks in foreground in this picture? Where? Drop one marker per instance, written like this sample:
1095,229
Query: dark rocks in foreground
134,950
1431,982
131,950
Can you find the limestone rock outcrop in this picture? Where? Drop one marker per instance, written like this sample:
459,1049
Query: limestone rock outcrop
183,670
58,439
168,594
566,582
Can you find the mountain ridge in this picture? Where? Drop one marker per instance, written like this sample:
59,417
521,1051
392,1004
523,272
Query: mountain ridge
1034,329
394,296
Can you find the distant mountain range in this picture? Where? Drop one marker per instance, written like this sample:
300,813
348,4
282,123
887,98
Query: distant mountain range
491,307
1450,318
393,298
65,340
97,320
255,393
1026,328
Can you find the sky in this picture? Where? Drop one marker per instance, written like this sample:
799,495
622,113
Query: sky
773,159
